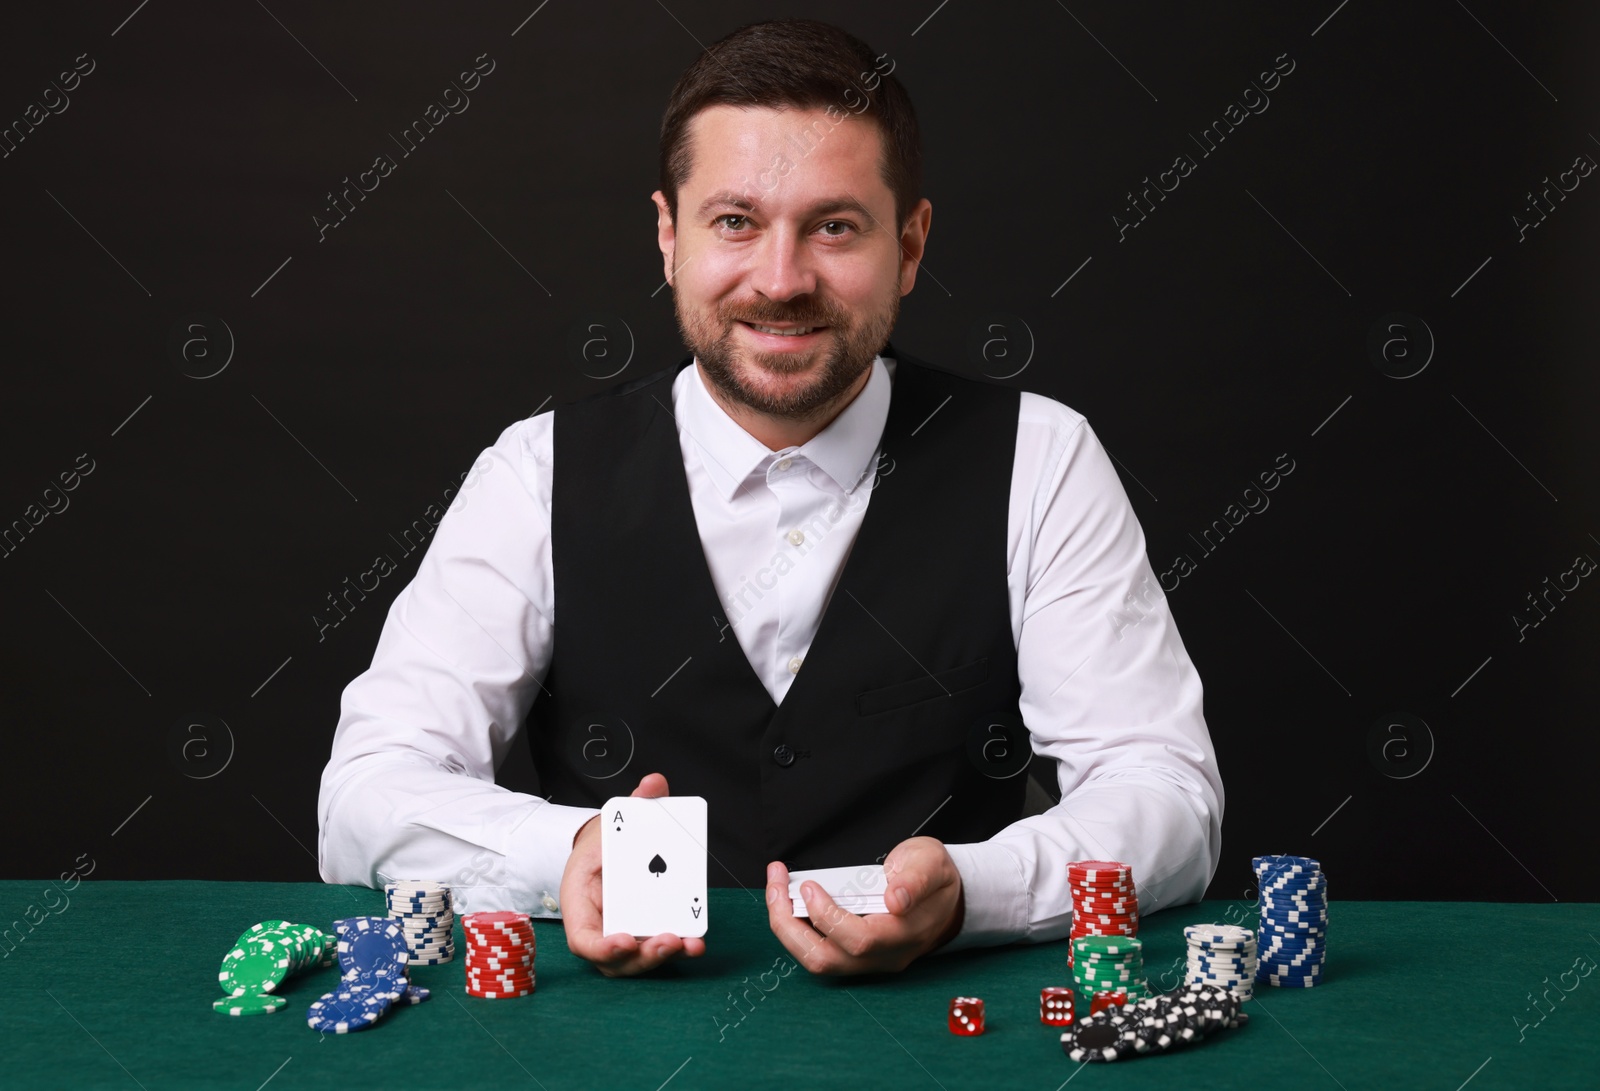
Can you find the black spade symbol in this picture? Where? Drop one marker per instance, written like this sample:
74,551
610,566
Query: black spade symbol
657,865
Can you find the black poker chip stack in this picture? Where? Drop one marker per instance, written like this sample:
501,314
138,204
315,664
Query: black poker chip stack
1153,1025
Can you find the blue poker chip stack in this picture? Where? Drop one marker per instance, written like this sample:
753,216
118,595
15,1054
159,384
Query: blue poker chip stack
1292,941
423,911
1223,955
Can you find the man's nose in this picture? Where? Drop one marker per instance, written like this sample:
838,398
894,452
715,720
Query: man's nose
783,266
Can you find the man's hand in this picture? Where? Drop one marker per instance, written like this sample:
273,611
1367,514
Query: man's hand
926,908
615,955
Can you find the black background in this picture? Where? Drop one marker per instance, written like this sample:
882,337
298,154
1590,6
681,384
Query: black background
1232,327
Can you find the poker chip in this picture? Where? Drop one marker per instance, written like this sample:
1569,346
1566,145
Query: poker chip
374,961
500,954
1094,1042
1109,964
423,911
250,1004
1104,901
1153,1025
372,951
1292,937
257,965
1224,955
350,1008
264,956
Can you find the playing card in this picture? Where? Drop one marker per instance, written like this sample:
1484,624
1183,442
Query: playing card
856,890
653,866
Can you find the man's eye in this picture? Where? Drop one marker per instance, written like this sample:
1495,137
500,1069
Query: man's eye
836,223
729,216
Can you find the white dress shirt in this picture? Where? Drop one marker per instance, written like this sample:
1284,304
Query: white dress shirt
1108,690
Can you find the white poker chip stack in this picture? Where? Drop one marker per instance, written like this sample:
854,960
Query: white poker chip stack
423,911
1223,955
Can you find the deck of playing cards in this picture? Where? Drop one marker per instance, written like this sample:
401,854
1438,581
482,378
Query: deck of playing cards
653,866
856,890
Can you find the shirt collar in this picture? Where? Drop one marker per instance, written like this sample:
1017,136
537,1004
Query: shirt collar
842,450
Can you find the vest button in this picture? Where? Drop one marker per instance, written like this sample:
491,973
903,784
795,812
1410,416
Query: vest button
783,755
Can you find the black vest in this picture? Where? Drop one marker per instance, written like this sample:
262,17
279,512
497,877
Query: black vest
903,718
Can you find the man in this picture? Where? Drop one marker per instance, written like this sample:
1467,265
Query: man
792,578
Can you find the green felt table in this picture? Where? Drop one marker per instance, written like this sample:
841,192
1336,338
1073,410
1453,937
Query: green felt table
115,991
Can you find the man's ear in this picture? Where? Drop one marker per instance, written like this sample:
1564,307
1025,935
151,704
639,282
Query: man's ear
666,233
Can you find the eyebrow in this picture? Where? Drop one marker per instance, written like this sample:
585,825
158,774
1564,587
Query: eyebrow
730,199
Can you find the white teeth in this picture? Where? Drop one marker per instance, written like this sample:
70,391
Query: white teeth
782,333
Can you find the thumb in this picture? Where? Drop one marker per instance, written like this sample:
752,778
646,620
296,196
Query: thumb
651,786
898,899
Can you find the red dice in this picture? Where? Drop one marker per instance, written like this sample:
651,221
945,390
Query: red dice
1101,1001
1055,1006
966,1016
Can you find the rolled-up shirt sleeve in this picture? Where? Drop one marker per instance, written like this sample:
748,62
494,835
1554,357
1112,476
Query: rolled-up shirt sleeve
1108,693
409,791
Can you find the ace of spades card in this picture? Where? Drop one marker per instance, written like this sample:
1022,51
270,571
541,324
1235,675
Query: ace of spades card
653,866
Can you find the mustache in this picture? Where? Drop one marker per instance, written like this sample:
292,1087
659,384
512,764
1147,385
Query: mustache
790,318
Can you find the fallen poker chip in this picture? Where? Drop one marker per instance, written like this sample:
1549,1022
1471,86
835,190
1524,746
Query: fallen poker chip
249,1004
357,988
374,947
258,964
335,1014
1096,1042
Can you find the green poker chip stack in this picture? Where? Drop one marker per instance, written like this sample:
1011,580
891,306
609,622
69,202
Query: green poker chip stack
1109,964
264,956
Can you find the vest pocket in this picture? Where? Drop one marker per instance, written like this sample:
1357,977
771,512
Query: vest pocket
926,688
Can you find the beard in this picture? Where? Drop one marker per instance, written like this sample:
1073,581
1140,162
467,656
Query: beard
850,344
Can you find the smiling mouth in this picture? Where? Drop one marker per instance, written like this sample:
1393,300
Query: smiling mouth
783,331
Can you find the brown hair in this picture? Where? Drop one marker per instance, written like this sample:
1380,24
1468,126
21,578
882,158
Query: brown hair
797,63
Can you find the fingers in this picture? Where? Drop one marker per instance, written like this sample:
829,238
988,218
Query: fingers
651,786
633,956
780,908
917,869
906,886
831,941
796,935
619,955
778,901
853,936
609,953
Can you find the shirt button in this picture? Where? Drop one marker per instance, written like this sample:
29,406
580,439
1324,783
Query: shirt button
781,465
783,755
794,665
796,537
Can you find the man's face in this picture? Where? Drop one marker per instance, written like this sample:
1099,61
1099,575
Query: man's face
770,234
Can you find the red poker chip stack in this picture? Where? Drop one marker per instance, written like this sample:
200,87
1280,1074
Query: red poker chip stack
500,951
1104,901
